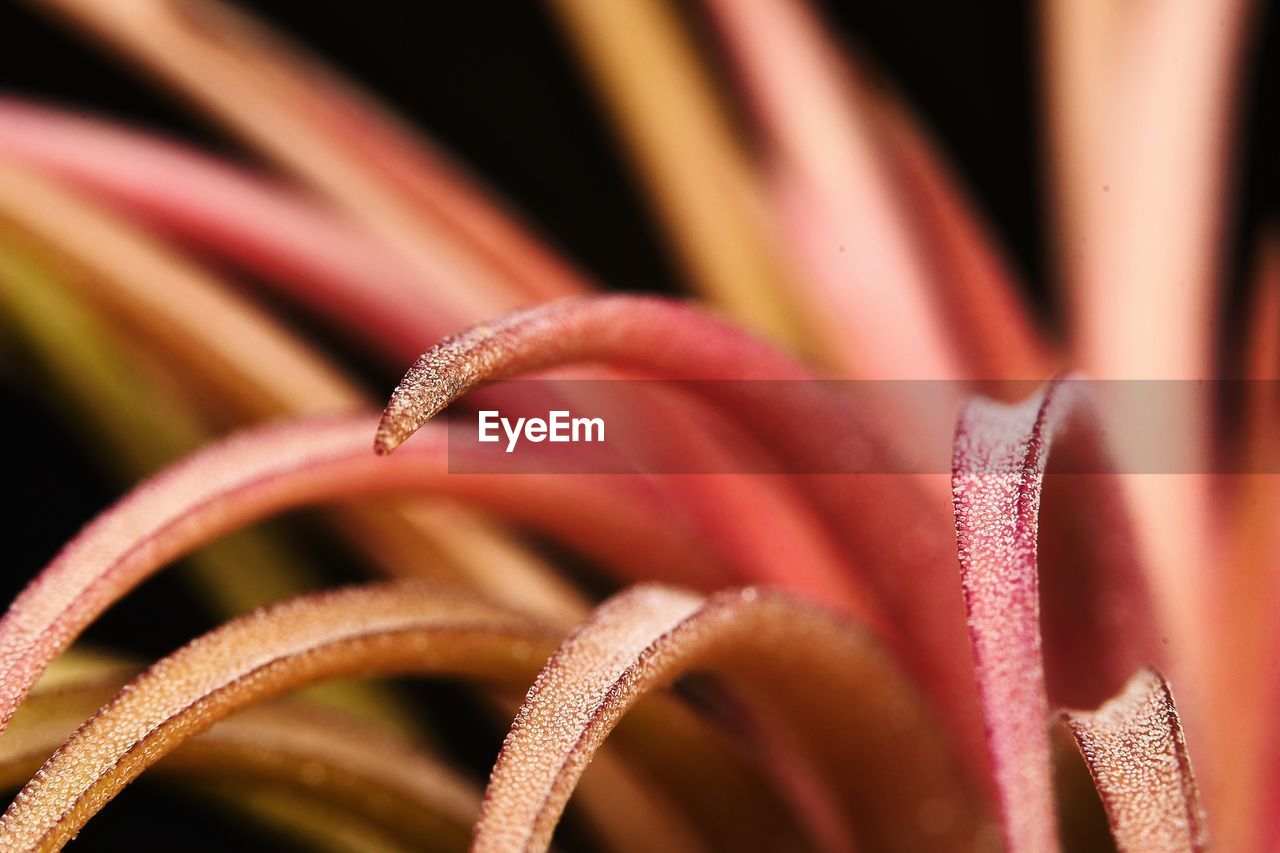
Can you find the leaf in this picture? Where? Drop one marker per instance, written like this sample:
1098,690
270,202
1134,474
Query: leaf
223,346
223,342
891,525
989,321
833,197
855,717
265,226
1001,451
342,765
139,422
1141,121
258,473
1143,108
1262,353
1246,688
1137,755
652,335
318,257
698,174
393,628
382,630
335,761
294,110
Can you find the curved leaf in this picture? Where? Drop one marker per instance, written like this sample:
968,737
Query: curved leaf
652,335
259,366
251,363
333,760
1001,451
697,172
279,234
856,718
270,470
324,261
138,422
892,525
382,629
1137,755
316,255
219,343
989,321
294,110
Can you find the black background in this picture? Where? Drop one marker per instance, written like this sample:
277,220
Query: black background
493,81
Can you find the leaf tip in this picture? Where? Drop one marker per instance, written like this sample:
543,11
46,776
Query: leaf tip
385,439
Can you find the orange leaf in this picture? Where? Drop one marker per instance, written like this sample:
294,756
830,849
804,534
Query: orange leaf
394,628
1138,758
856,718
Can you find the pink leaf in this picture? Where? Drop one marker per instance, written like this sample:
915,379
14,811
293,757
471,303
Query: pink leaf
266,471
991,324
889,523
320,257
834,197
998,475
334,760
298,112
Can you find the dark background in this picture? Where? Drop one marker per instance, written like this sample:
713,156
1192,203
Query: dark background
493,81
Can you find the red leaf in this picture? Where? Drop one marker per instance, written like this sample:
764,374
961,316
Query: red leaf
998,474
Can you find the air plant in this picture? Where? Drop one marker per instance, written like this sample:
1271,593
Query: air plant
799,659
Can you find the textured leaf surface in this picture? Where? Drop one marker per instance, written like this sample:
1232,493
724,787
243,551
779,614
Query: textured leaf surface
215,341
1001,451
334,761
865,729
258,473
896,530
138,421
394,628
656,336
1137,754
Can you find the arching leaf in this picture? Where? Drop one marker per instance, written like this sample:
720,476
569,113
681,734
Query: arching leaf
855,717
1137,754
